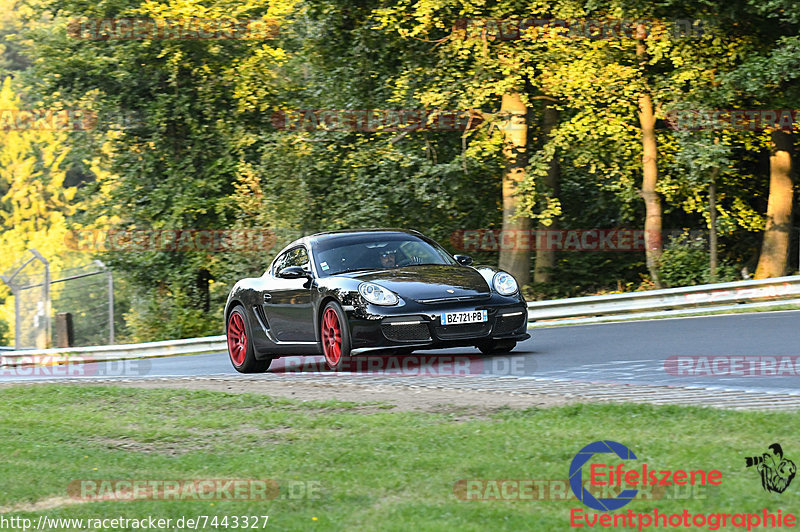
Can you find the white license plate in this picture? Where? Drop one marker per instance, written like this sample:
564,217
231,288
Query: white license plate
470,316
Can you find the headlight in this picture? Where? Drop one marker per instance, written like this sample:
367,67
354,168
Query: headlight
504,284
377,295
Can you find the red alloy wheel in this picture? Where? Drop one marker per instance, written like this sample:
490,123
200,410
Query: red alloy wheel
331,337
237,338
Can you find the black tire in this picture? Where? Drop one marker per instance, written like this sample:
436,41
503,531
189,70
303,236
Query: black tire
497,346
334,336
240,346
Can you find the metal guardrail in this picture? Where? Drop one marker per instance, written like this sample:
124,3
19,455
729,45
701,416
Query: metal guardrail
671,301
209,344
761,293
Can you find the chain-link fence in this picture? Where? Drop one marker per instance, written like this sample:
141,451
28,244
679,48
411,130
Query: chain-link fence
80,299
29,281
86,293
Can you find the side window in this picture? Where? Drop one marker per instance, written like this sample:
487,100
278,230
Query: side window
297,257
279,264
294,257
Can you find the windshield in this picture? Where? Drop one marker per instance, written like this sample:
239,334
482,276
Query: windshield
375,251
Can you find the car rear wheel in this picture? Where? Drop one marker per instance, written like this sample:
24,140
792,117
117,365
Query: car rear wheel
497,346
335,336
240,344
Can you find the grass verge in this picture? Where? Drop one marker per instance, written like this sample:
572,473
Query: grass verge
368,468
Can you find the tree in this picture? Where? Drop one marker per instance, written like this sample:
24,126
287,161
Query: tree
34,202
12,60
516,260
770,76
551,188
649,192
195,102
775,247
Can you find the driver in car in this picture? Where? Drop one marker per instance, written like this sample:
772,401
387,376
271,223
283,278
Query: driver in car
389,259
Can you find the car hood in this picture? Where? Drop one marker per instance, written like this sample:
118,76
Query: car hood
430,282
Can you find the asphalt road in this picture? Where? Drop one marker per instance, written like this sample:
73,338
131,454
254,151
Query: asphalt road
758,351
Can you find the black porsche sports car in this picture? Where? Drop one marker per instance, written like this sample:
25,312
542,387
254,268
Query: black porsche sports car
346,293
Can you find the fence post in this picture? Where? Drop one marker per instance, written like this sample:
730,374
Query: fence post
45,298
110,307
65,333
17,326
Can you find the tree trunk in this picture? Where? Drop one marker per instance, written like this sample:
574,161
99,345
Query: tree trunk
652,202
546,258
202,289
514,259
713,251
775,246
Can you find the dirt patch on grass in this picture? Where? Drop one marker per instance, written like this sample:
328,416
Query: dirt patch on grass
385,398
40,505
155,447
202,441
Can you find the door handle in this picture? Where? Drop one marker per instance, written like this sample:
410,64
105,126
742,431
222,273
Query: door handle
267,297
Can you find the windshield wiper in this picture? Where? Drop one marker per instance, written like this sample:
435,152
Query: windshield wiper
421,264
353,270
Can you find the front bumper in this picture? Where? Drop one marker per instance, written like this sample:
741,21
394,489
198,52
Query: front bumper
420,325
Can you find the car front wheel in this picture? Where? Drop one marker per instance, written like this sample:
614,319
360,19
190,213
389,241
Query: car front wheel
335,336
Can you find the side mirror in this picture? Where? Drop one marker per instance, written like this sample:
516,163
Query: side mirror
466,260
293,272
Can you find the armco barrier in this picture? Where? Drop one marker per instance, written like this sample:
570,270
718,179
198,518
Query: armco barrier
762,293
208,344
672,301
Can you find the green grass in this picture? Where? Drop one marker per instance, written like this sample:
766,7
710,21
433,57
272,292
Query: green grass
376,469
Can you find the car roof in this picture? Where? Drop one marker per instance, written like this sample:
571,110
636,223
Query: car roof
317,237
324,235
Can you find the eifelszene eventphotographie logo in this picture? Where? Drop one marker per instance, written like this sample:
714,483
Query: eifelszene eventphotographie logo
576,475
776,470
620,476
